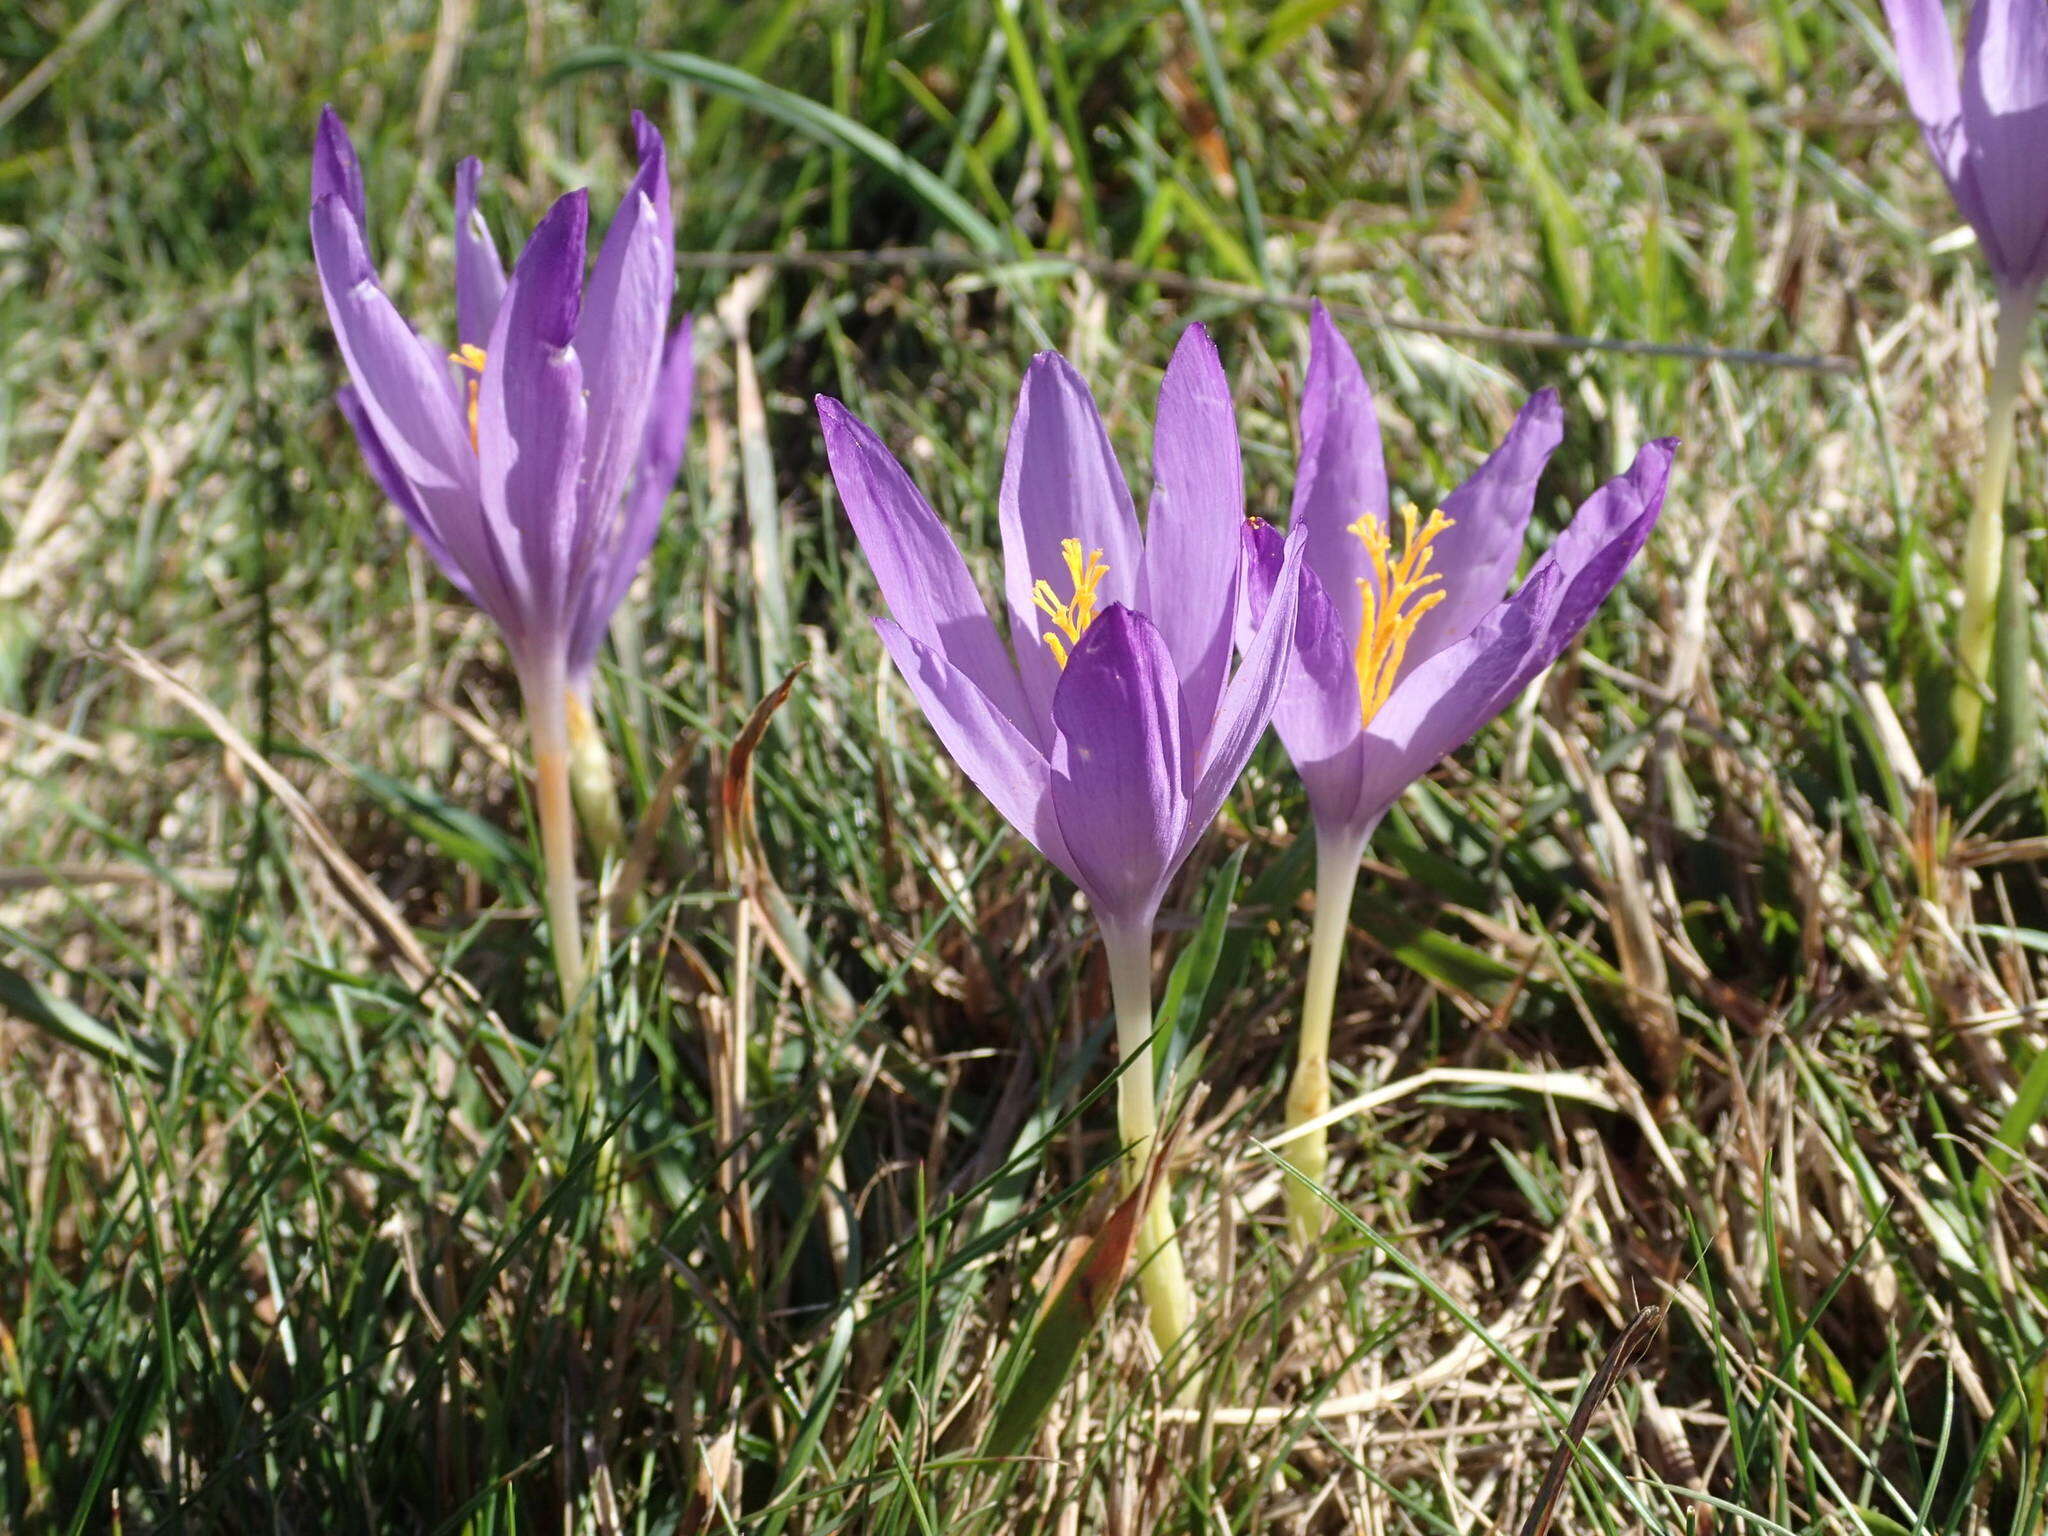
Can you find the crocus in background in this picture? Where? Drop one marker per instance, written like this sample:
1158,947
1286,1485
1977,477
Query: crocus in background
1405,645
1986,123
1111,726
531,460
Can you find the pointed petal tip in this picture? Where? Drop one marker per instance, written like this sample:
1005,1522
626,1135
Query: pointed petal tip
1651,471
1322,327
1050,374
643,215
1332,361
844,431
1195,337
336,170
553,263
1117,628
1542,418
647,139
1053,363
1195,370
331,133
1121,617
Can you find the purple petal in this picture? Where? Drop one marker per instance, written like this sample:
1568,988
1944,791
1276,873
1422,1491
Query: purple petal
1439,706
661,457
531,420
651,155
1060,481
1927,59
399,493
1189,584
1342,474
336,171
991,751
1317,716
409,398
1443,703
1489,513
619,341
668,418
1117,785
2004,114
923,578
1623,509
479,274
620,338
1253,694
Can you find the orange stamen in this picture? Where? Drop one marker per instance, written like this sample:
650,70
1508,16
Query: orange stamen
1395,600
471,357
1071,618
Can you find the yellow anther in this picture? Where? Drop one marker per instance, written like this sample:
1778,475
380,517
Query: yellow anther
1395,599
471,357
1071,618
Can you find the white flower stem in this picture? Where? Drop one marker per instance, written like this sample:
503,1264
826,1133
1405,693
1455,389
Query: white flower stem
1162,1277
547,721
1985,539
1308,1093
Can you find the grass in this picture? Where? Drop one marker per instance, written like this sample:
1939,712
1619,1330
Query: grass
1692,980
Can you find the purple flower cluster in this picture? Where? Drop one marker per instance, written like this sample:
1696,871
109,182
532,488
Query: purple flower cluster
1137,666
1111,726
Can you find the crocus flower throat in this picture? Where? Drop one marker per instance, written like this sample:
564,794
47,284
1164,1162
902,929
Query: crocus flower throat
1072,618
1395,596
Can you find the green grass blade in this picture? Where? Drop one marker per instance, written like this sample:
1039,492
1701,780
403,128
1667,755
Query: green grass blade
806,116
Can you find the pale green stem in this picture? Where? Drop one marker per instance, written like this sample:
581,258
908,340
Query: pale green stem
1985,540
1308,1093
1162,1277
547,721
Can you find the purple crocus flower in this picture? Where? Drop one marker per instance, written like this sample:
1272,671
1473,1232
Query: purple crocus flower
1987,126
533,460
1111,726
1405,644
1986,123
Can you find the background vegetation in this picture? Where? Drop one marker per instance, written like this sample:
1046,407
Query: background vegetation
1684,983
